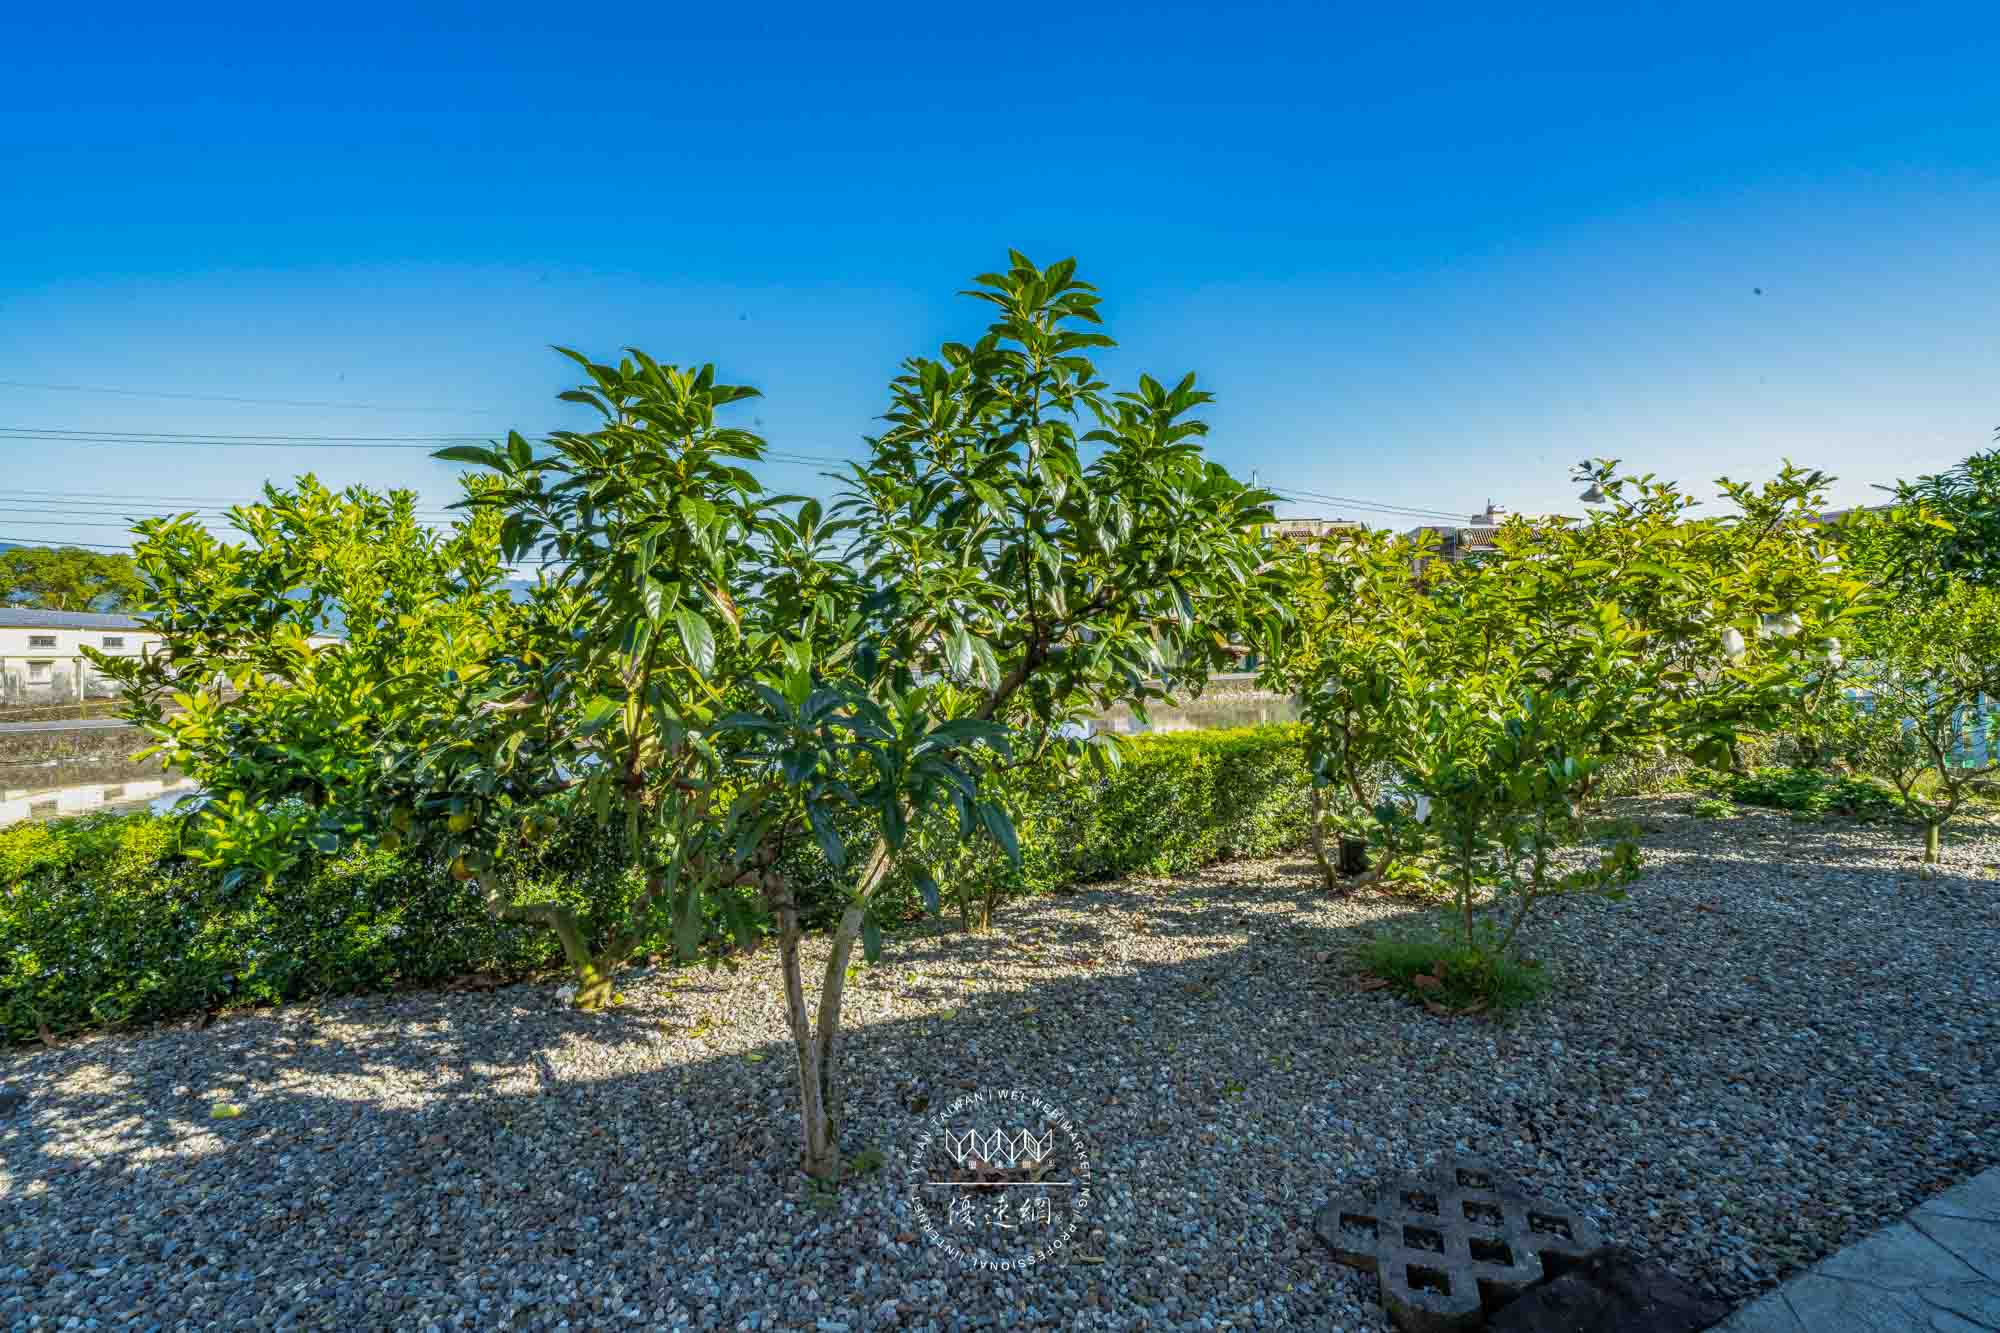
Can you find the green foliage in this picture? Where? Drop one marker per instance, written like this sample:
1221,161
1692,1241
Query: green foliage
1352,604
1642,773
1454,976
725,673
107,921
67,578
1178,801
1502,694
1622,829
1932,668
248,696
1943,529
1801,791
1709,807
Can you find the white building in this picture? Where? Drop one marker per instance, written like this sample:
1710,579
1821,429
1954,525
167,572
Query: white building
41,657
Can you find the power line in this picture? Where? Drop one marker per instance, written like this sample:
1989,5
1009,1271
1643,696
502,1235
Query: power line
208,444
208,517
1295,493
48,435
43,542
65,432
226,398
122,495
217,502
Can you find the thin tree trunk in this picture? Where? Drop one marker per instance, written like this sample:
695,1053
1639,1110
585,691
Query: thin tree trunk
1316,830
1932,840
594,971
819,1043
821,1157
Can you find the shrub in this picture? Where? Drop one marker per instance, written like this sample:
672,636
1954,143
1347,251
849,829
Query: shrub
1178,801
1804,791
1711,808
1642,774
1436,967
106,922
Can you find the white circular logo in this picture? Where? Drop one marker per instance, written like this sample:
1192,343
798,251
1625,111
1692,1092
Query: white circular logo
1001,1180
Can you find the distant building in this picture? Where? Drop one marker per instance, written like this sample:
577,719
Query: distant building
1474,538
1309,531
41,652
41,657
1835,515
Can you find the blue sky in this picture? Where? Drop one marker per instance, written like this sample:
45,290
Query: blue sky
1424,256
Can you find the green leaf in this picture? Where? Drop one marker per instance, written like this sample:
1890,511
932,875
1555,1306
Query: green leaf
699,640
599,714
472,453
871,940
989,666
826,835
1001,826
958,653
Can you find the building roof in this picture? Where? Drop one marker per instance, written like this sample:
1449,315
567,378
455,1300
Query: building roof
28,617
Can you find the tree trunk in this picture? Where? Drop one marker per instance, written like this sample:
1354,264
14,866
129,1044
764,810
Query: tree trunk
1932,839
821,1159
595,972
1316,830
818,1043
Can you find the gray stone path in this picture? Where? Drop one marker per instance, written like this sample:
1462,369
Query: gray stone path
1937,1269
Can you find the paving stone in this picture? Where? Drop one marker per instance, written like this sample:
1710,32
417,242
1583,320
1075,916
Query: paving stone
1938,1271
1898,1258
1972,1241
1977,1197
1454,1246
1837,1305
1770,1313
1976,1302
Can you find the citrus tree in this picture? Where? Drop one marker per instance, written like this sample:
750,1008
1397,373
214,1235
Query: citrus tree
1941,528
1931,667
290,657
1354,602
1642,627
1495,693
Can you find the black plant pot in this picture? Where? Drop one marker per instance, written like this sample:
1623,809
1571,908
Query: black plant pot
1353,855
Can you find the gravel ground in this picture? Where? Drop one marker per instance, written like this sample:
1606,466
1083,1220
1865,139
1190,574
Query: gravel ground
1785,1039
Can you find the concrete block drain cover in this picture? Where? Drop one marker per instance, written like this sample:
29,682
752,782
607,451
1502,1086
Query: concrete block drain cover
1451,1247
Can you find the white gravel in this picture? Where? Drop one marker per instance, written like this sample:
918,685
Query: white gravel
1785,1039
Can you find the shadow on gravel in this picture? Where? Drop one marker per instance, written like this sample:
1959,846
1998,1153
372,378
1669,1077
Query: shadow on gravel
495,1134
406,1157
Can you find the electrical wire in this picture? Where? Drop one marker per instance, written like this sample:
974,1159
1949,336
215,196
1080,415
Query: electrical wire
43,542
208,437
1297,493
224,398
40,435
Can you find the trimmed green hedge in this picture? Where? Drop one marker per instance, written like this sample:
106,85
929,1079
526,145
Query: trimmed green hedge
103,922
1179,801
